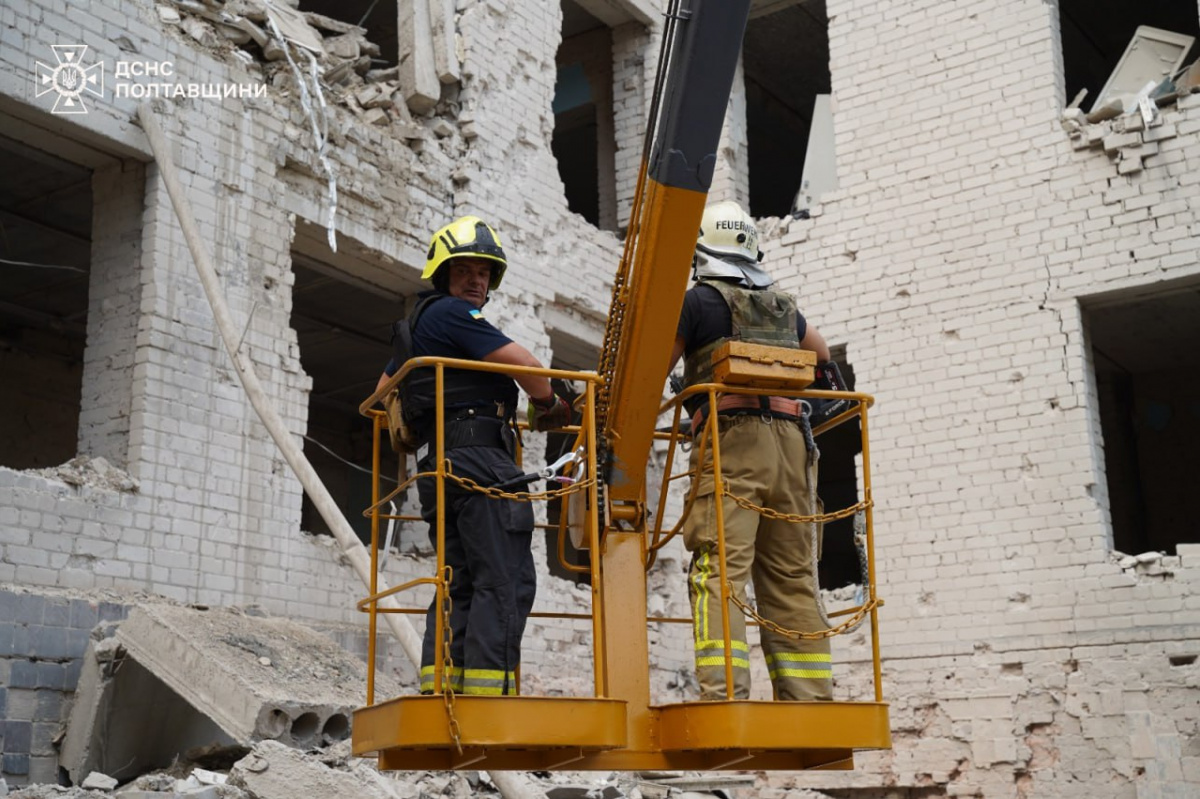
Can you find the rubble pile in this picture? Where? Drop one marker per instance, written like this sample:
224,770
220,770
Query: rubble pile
92,472
1130,130
258,32
274,771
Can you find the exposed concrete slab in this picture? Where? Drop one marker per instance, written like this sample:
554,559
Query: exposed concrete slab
258,678
175,679
126,721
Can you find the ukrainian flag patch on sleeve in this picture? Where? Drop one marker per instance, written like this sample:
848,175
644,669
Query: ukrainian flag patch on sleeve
476,313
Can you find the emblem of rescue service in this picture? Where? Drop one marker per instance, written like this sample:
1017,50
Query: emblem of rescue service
69,78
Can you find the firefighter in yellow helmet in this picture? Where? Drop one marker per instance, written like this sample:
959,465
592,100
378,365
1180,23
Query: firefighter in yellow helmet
765,458
487,540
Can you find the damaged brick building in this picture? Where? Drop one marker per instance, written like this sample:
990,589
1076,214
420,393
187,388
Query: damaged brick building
1015,281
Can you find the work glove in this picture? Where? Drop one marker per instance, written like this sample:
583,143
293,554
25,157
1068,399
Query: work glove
548,413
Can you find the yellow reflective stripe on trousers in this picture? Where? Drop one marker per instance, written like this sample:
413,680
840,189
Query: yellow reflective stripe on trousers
487,682
454,679
712,653
807,665
700,609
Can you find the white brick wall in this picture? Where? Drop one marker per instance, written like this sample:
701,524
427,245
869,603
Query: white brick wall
1020,660
950,264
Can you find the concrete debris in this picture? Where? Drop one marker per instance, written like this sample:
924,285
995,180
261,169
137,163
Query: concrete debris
583,792
91,472
275,771
375,95
661,786
1149,565
376,116
99,782
271,770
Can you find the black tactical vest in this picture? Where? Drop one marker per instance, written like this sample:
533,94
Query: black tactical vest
460,387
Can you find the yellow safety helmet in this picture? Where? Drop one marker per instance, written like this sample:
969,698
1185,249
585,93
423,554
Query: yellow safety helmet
466,237
726,230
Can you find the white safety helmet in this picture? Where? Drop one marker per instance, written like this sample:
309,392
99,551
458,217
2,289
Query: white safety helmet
727,246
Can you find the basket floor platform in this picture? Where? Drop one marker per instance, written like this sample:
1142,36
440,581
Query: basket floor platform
542,733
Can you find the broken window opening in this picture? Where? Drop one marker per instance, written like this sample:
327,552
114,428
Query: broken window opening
46,249
344,334
837,485
1096,33
785,58
379,18
583,142
1147,386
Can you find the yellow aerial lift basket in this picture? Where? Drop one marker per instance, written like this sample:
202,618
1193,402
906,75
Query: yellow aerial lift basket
617,728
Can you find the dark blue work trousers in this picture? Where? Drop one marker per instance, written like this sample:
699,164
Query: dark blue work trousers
488,546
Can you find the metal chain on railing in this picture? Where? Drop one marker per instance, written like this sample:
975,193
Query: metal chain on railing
857,510
796,518
797,635
448,665
520,496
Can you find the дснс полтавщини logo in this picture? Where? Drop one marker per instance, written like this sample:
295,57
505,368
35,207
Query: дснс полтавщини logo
69,78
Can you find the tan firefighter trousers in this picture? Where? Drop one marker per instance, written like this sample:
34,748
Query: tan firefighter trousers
764,461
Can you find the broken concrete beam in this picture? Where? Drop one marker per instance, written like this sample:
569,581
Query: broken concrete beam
126,721
418,71
256,678
273,771
445,46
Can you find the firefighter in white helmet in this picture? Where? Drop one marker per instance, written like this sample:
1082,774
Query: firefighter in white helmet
487,539
764,458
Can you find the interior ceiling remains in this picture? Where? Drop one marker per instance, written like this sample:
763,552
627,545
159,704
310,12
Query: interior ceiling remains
787,54
344,332
576,20
1147,333
1095,34
785,59
45,219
